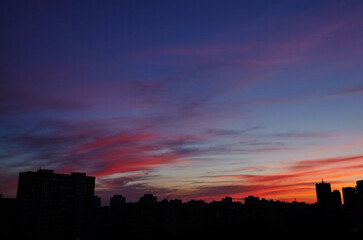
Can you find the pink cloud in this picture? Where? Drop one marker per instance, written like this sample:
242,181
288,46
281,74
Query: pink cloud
111,140
131,164
319,163
297,178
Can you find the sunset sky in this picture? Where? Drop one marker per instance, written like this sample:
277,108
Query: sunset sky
184,99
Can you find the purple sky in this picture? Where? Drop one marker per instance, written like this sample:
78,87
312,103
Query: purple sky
189,100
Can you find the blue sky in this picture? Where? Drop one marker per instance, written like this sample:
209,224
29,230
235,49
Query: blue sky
190,99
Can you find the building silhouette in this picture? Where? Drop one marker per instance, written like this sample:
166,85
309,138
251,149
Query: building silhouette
55,205
60,206
323,194
227,200
349,197
336,199
117,201
8,217
251,200
148,199
96,202
359,192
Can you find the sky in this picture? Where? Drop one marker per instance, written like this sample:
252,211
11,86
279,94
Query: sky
184,99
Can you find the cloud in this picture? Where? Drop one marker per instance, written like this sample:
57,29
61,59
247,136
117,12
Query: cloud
296,135
230,132
294,178
109,141
352,90
320,163
120,164
208,192
240,191
16,102
89,147
131,186
307,96
202,51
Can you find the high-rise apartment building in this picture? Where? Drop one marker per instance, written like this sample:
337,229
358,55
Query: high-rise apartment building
324,195
336,199
54,205
359,192
349,197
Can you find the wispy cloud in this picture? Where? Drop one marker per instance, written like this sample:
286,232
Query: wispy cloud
131,186
23,102
319,163
296,177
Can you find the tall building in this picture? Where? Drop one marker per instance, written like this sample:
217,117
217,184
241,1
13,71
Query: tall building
349,197
323,194
336,200
359,191
54,205
96,202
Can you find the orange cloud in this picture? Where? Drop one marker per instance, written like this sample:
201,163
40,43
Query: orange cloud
298,179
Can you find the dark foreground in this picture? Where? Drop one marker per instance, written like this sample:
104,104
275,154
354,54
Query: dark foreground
192,220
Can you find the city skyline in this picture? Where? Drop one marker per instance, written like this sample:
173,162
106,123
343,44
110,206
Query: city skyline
52,181
63,206
192,100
